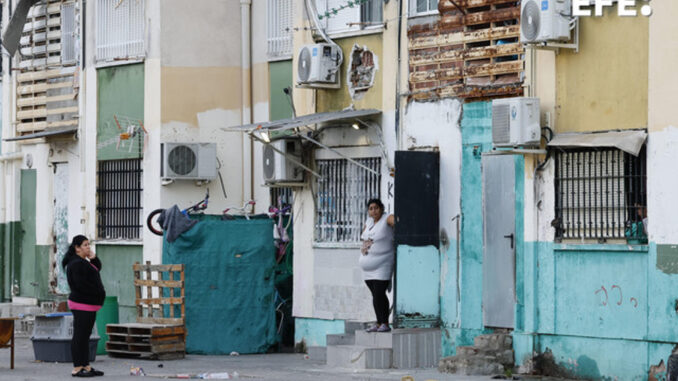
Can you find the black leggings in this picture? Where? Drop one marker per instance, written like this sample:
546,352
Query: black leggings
379,299
83,322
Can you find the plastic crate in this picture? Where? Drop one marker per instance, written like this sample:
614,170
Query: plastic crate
57,326
59,350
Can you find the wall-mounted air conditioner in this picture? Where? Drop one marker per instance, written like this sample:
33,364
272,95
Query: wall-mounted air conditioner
515,122
318,65
277,168
545,20
188,161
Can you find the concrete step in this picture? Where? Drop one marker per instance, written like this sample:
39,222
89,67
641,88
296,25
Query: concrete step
341,339
359,357
467,350
416,347
317,353
351,326
374,339
494,341
471,365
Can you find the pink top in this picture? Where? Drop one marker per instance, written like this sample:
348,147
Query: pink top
82,306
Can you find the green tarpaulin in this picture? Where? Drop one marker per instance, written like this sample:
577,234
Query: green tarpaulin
230,291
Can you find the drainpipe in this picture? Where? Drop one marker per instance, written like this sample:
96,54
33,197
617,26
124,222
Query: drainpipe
246,93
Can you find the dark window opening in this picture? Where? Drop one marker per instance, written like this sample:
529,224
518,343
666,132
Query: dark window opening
119,191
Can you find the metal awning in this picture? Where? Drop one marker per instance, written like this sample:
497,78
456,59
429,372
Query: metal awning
306,120
48,132
628,141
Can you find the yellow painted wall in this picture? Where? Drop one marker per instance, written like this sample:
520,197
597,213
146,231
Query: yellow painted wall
605,85
663,74
187,91
333,100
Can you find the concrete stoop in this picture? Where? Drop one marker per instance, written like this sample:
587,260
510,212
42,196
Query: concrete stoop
491,354
400,348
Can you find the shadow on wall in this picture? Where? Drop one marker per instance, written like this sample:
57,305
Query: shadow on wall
583,367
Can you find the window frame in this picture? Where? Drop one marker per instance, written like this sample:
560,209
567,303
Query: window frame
625,181
371,181
414,13
352,31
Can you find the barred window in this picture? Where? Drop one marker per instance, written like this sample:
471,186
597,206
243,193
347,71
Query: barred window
120,30
119,209
600,193
279,29
342,193
281,196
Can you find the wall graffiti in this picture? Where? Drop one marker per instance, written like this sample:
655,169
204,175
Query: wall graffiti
604,296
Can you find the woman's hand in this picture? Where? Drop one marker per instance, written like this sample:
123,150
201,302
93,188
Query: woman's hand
390,220
91,255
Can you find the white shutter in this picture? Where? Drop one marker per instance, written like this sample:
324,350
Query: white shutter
120,29
280,28
339,22
69,32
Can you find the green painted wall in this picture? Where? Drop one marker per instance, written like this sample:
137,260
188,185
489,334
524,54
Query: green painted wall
118,277
26,264
10,251
280,76
120,93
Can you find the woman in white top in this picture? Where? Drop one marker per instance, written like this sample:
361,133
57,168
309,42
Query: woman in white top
377,259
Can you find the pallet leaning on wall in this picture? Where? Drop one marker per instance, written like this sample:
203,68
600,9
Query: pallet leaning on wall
47,82
471,52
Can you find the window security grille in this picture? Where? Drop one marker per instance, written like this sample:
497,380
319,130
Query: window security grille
342,193
598,193
120,30
281,197
69,34
280,28
119,199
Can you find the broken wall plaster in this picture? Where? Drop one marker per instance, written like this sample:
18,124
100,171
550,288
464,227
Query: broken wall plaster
361,71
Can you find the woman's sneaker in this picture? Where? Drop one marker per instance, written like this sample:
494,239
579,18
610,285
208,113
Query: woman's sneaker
384,328
373,328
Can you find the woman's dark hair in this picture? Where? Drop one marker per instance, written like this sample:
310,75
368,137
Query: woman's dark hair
375,201
77,241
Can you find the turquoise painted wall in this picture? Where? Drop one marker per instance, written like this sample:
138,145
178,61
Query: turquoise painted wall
118,277
418,286
313,331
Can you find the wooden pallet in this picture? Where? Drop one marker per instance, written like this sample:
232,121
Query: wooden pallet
160,330
473,52
152,341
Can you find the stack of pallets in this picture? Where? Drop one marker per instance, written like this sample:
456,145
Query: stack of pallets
157,334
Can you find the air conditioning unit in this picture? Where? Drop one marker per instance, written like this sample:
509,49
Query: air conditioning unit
188,161
277,168
515,122
318,65
545,20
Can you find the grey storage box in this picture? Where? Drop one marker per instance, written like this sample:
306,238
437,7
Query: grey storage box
52,335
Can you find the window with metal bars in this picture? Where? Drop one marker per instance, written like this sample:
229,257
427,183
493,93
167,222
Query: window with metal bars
281,197
342,192
120,30
119,209
600,194
279,29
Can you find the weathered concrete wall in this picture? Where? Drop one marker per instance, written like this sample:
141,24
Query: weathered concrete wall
118,277
313,331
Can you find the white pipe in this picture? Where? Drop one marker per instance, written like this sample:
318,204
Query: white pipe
246,93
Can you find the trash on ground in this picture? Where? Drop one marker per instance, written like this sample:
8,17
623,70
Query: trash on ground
136,371
234,353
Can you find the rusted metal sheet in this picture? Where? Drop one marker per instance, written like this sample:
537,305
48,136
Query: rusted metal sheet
449,5
444,39
437,75
494,69
492,16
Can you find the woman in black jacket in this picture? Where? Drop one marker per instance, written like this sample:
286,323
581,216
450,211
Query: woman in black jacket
86,298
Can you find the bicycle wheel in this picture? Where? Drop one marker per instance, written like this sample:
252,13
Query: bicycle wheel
151,220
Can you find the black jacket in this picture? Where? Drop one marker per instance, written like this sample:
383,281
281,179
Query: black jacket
84,281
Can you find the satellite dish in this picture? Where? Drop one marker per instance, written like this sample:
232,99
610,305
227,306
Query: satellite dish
530,20
304,66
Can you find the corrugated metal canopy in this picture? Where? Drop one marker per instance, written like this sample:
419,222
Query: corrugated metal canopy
305,120
45,133
627,141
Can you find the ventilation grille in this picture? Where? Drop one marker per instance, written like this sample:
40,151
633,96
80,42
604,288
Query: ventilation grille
530,20
500,124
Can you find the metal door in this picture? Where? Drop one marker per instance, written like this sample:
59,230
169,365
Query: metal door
499,240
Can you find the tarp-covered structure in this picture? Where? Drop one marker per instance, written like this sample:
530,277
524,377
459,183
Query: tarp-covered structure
229,285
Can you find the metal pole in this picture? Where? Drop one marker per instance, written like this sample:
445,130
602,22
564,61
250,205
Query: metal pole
340,154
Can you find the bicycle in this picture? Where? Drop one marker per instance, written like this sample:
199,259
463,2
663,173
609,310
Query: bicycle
243,210
151,220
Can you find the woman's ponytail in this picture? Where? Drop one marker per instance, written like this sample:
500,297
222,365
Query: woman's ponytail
70,253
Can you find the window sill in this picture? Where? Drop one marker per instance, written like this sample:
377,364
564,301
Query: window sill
279,58
116,242
357,33
601,247
337,245
103,64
